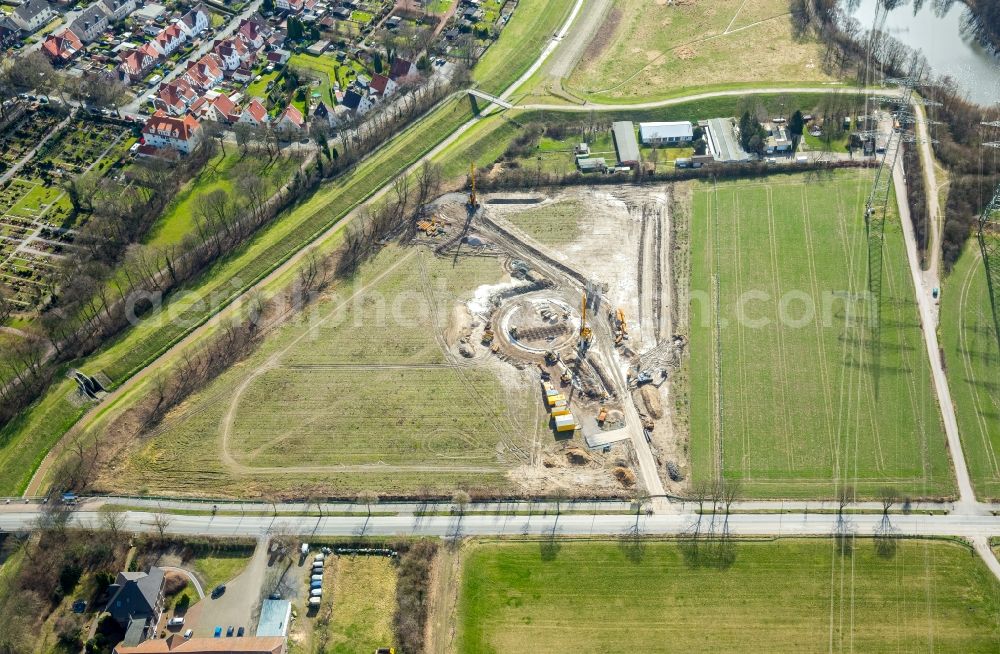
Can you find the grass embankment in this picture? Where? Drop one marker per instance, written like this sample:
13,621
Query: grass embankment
802,406
529,30
219,174
220,567
649,51
783,596
968,339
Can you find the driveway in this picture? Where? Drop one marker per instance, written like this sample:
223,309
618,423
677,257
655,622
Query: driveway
239,604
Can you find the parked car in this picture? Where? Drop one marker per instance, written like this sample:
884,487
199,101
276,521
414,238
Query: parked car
239,632
229,631
316,578
175,621
218,632
218,591
316,584
316,592
188,633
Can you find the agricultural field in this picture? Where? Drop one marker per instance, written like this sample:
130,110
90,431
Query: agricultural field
646,51
552,224
784,595
786,395
359,603
970,349
359,386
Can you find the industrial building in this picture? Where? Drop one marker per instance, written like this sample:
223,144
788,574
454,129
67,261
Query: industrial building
722,141
626,146
666,133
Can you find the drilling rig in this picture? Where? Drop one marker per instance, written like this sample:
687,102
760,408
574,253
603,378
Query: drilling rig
585,332
473,200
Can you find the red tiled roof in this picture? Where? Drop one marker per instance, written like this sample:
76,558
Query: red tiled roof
400,68
293,115
179,128
256,110
378,83
175,643
63,45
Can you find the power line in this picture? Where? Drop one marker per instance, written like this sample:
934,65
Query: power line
989,244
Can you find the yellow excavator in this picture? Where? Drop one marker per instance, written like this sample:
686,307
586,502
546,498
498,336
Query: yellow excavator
585,333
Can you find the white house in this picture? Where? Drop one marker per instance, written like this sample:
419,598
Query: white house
168,40
91,23
181,134
32,15
195,21
118,9
254,113
382,86
359,104
671,133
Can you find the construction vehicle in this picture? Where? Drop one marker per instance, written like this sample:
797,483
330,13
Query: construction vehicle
620,326
585,333
487,336
473,200
602,416
551,357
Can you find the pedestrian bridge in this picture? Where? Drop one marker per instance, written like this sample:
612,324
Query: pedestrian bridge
491,98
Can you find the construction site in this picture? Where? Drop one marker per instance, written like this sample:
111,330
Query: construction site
586,313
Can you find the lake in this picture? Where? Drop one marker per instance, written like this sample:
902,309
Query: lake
940,38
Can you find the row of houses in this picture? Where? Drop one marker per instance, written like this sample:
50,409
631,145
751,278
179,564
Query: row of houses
136,63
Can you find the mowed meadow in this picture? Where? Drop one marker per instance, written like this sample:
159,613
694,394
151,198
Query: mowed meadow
968,338
788,396
357,393
778,596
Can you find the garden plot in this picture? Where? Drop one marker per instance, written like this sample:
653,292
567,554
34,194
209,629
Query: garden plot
365,386
36,213
786,394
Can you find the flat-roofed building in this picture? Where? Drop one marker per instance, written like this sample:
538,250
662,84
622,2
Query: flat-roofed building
626,145
668,133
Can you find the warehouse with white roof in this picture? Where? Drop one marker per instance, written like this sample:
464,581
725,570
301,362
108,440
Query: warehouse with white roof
673,133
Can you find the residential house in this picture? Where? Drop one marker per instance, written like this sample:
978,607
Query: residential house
32,15
181,134
291,6
253,31
234,53
778,140
666,133
62,47
402,70
291,118
136,63
255,113
195,21
168,40
137,598
359,104
175,97
382,86
242,74
91,23
341,13
278,57
206,73
177,644
334,116
119,9
222,109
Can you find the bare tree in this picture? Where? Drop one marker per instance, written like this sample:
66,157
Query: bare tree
161,521
368,498
460,499
113,521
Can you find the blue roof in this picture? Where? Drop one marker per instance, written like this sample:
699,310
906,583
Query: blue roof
274,617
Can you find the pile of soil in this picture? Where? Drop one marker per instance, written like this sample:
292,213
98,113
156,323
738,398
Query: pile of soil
578,457
651,398
624,476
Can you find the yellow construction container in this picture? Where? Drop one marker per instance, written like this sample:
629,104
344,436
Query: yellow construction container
565,423
555,398
549,392
561,411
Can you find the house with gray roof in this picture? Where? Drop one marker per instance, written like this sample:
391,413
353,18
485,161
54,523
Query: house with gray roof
32,15
91,23
136,603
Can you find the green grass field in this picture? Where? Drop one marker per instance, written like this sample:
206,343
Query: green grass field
219,174
216,568
970,348
361,380
552,224
646,51
783,596
798,409
531,27
362,593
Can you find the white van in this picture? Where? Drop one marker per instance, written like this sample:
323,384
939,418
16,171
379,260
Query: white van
314,601
316,592
316,578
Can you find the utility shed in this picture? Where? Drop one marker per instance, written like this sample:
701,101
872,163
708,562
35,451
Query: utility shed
626,146
666,133
565,423
588,165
